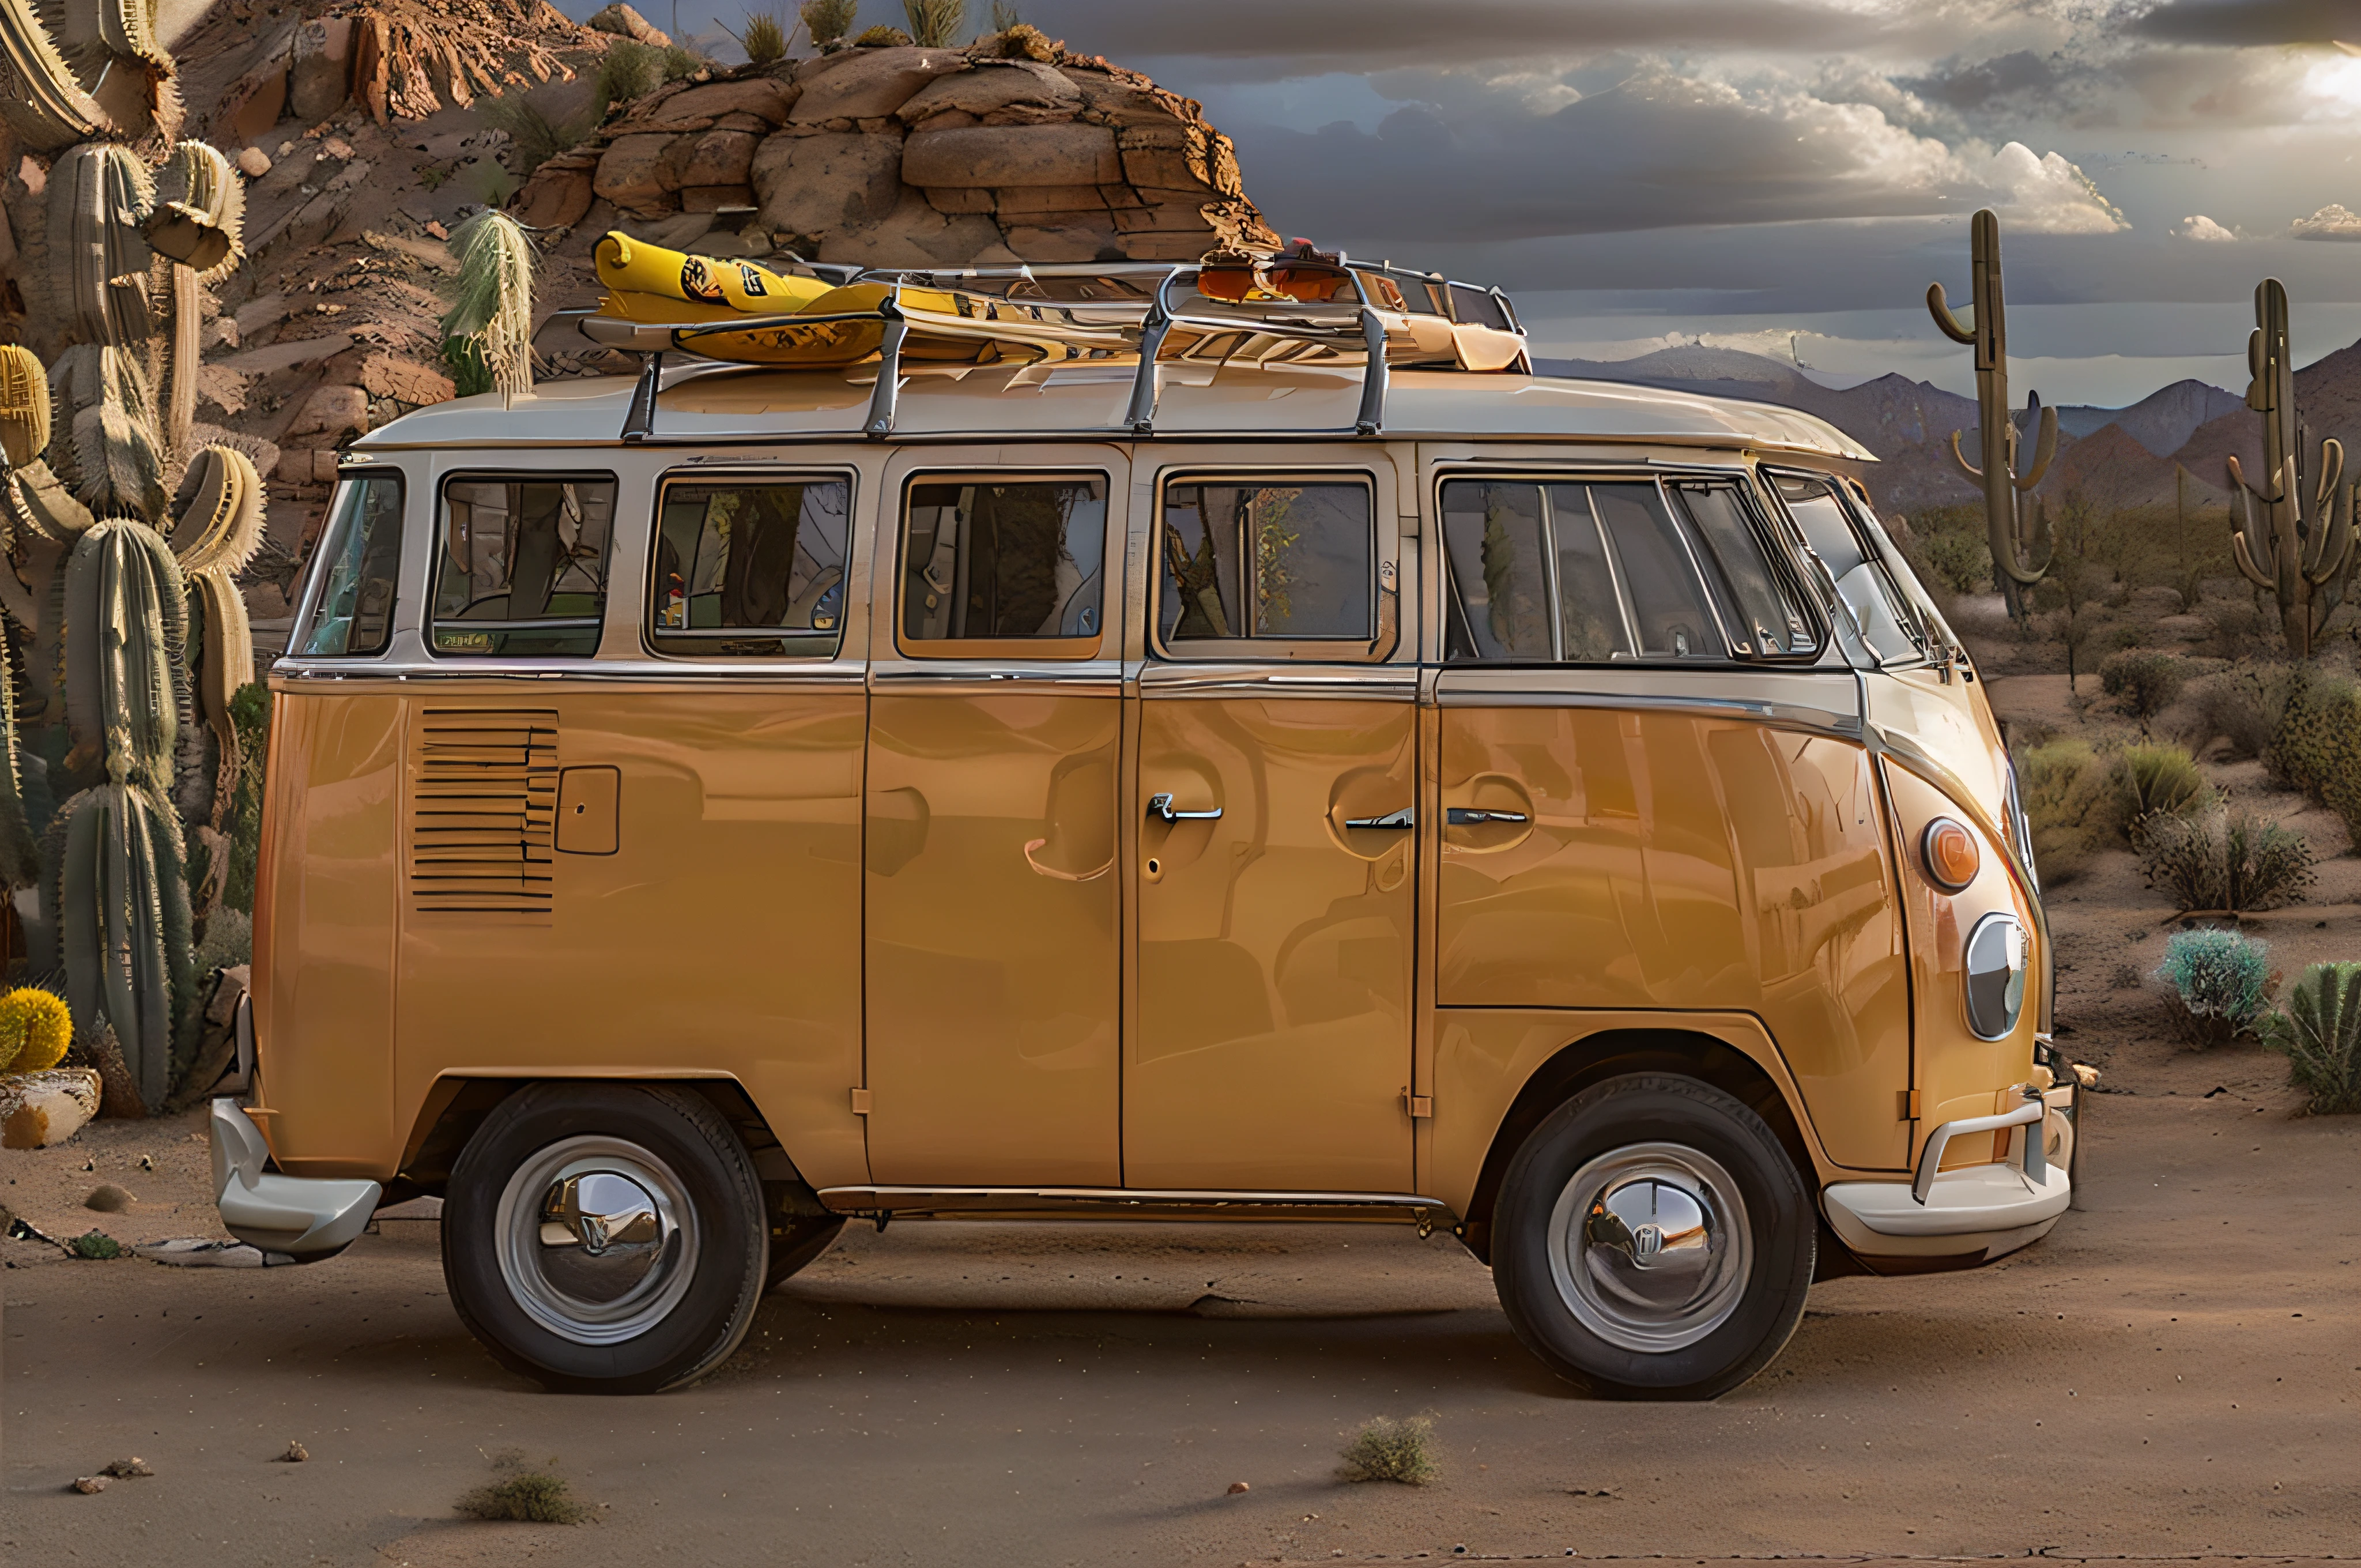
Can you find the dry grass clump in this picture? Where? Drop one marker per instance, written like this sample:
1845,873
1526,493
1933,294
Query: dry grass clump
829,20
2063,787
1390,1450
2149,780
2224,862
521,1493
2240,706
766,42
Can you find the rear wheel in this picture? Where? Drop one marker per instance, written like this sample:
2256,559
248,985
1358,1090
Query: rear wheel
606,1238
1652,1241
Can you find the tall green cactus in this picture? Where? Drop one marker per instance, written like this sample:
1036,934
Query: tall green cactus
2305,559
2012,527
117,531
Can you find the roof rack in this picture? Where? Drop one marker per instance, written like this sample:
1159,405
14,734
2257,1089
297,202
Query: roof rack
1253,311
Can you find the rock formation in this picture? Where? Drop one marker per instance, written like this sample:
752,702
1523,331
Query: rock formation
1010,149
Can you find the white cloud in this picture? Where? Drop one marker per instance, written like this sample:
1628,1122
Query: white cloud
2199,226
2331,222
2049,196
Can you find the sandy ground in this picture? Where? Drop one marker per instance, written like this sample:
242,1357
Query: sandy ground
2172,1373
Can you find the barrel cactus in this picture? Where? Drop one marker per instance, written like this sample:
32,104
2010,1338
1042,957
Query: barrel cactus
127,635
35,1030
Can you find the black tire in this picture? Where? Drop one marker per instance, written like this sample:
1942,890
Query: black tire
1645,1141
699,1241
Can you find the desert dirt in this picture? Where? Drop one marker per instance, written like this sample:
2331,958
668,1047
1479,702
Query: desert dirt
2174,1373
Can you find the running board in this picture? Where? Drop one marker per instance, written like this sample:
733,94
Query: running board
1133,1203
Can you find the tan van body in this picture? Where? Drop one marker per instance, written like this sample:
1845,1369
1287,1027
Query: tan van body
910,916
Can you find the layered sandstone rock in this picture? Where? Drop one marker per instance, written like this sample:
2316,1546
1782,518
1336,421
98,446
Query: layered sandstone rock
1010,149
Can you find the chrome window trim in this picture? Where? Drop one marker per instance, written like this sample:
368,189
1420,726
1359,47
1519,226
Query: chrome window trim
1781,699
914,650
437,516
639,672
315,570
691,470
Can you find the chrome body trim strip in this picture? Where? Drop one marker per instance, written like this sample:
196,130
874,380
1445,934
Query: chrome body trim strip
1930,1158
858,1200
636,672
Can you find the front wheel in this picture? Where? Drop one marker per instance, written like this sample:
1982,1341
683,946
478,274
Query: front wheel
1652,1241
606,1238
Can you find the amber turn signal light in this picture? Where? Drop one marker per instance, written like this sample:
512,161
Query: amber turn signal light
1948,851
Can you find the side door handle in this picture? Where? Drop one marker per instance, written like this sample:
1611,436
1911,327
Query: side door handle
1160,808
1470,816
1392,821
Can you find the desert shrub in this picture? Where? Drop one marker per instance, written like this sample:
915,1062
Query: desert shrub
1390,1450
96,1245
936,24
766,39
1946,551
2316,747
2241,707
2224,861
2144,683
533,137
628,69
2222,980
881,36
2237,631
829,20
534,1496
2123,637
2063,787
2146,780
2320,1034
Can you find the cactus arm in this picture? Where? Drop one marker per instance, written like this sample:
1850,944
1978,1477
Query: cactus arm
2247,567
188,322
2332,533
1939,308
218,516
1959,458
39,97
25,414
20,863
80,900
2045,447
2004,555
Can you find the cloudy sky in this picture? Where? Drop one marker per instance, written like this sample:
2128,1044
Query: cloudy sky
1788,175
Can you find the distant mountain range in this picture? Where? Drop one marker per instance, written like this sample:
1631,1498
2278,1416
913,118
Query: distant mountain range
2116,457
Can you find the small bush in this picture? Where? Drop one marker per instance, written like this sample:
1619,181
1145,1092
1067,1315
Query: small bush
881,36
2223,979
628,70
2224,862
829,20
2063,787
2241,707
2316,747
533,137
2320,1034
2144,683
766,39
96,1245
2146,780
533,1496
1390,1450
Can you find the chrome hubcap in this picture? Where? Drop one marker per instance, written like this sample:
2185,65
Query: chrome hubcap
1650,1247
597,1240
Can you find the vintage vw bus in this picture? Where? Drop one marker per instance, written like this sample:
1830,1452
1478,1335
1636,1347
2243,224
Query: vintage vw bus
1209,742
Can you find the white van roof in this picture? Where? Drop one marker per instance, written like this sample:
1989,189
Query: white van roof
704,403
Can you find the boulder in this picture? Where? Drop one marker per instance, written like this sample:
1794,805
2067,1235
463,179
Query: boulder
764,96
827,184
253,162
1013,155
555,198
1112,99
872,83
39,1109
332,412
406,381
720,158
998,92
321,76
1071,243
1178,156
638,173
625,23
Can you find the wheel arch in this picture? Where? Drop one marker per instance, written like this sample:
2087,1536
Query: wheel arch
1613,1053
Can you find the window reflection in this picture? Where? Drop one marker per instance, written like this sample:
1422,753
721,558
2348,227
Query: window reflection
743,557
361,562
986,561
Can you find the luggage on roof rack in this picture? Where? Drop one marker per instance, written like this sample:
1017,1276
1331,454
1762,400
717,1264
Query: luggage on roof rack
1244,310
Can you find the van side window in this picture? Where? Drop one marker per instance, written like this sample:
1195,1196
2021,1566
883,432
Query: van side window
1888,621
1571,574
1762,605
989,560
360,561
522,567
749,567
1284,559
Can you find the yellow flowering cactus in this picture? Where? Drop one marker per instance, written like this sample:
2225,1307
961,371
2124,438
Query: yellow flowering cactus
35,1029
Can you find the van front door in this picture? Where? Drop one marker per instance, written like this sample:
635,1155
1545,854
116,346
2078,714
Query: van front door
1277,844
994,976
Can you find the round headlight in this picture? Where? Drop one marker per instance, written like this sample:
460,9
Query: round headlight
1949,854
1995,976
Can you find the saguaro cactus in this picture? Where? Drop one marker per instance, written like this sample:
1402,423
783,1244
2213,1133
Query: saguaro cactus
2011,526
2304,558
119,544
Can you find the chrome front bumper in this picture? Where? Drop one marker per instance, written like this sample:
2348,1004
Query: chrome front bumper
300,1218
1991,1209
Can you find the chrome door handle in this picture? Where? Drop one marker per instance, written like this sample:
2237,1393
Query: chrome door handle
1160,808
1392,820
1468,817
